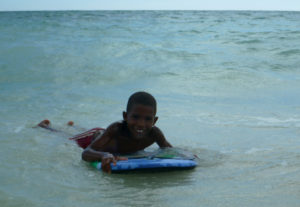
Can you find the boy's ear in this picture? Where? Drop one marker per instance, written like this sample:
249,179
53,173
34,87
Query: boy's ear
124,115
155,120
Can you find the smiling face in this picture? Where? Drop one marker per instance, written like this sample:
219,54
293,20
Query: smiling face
140,120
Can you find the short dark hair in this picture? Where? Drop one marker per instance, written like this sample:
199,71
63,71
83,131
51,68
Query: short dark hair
143,98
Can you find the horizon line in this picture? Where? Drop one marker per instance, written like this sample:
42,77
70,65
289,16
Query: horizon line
262,10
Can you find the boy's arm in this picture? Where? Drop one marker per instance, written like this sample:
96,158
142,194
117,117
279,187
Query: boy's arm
96,151
91,155
98,148
106,158
160,138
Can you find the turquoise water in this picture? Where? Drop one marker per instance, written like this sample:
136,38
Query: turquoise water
227,86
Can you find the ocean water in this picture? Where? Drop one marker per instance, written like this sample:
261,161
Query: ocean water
227,85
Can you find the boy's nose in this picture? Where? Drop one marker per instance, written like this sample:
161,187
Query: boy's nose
141,123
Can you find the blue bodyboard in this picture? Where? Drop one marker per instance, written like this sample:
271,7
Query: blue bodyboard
149,164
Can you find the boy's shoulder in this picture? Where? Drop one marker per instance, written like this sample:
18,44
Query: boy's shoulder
155,129
116,127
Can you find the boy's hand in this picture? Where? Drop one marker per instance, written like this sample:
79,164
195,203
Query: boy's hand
107,159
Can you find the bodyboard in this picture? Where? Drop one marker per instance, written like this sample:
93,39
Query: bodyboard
149,164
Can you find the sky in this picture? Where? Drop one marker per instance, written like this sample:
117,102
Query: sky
30,5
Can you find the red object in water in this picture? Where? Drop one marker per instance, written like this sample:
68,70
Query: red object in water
85,139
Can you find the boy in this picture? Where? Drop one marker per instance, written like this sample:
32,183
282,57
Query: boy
134,133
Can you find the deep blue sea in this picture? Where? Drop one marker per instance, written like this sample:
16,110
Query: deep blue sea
227,85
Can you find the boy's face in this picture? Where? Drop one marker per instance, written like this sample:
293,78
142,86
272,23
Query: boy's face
140,119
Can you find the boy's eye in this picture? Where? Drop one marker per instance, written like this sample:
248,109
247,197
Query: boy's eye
135,116
148,118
